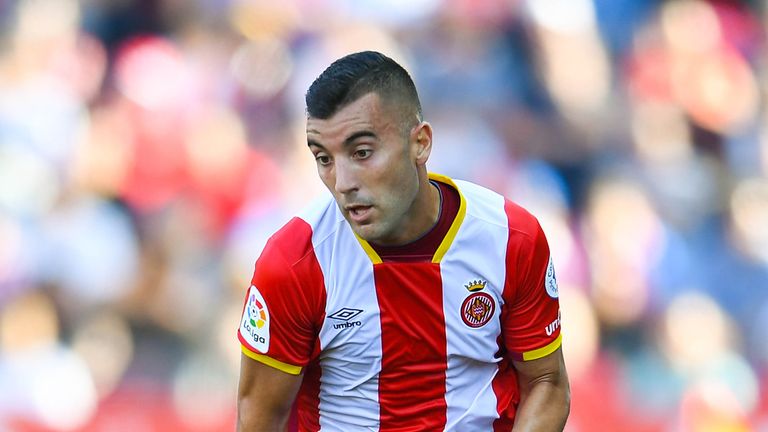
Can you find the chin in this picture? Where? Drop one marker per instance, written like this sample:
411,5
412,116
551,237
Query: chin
367,233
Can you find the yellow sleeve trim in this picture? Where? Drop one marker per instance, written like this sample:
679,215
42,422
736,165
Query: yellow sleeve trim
269,361
544,351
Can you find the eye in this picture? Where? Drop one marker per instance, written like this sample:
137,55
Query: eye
323,160
362,153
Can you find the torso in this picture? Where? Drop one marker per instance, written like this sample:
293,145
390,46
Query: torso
410,344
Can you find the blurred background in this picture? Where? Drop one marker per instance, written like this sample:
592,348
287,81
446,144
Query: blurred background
148,148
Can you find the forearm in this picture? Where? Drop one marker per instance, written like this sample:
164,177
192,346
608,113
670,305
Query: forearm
544,407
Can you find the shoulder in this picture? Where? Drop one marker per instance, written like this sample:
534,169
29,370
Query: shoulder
288,269
297,238
521,220
483,202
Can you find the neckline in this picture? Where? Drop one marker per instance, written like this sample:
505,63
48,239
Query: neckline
446,240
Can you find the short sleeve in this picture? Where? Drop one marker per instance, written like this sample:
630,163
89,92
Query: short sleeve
284,304
531,314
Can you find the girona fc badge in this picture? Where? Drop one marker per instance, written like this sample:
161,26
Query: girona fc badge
477,309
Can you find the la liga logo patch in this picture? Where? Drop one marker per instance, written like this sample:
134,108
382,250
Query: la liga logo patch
550,281
254,325
257,313
477,309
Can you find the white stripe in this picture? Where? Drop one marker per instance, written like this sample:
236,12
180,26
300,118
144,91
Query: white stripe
351,353
478,252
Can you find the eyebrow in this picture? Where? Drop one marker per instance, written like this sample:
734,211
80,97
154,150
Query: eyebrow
348,141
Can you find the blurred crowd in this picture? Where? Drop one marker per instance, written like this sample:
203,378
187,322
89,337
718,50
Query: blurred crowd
148,148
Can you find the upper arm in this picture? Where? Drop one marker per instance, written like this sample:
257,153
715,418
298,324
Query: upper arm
549,369
282,312
531,327
545,396
265,395
531,311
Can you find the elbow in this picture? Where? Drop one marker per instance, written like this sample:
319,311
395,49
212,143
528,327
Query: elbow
253,419
560,396
245,420
248,419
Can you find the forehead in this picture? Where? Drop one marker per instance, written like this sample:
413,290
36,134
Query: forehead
365,113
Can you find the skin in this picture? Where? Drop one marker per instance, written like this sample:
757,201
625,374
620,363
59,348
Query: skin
375,171
545,394
264,411
374,164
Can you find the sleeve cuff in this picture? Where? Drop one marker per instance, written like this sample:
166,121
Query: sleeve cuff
543,351
269,361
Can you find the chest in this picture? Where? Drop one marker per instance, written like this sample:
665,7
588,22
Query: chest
397,314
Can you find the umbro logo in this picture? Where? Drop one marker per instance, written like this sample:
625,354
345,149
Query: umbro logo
345,315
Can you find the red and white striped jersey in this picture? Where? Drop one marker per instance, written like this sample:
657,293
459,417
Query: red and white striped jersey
405,346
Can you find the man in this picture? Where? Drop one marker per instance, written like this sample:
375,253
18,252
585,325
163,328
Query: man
406,301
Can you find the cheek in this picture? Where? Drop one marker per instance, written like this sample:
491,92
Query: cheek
389,181
399,170
399,188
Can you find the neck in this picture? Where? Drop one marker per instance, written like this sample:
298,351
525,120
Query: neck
424,213
433,202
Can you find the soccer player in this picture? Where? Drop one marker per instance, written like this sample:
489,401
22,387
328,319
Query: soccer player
404,300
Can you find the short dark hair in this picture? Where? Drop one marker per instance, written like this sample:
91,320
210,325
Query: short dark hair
355,75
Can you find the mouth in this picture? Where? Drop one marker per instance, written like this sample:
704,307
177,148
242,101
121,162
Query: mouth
358,213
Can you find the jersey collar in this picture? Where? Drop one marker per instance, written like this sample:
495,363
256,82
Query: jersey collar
449,237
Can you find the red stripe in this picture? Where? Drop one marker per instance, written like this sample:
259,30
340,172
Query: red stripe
505,387
412,381
505,384
307,402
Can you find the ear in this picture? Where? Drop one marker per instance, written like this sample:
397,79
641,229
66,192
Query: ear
421,140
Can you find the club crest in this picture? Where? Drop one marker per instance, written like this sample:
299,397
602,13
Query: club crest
477,309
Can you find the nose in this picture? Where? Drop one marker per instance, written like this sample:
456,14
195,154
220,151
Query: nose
346,179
